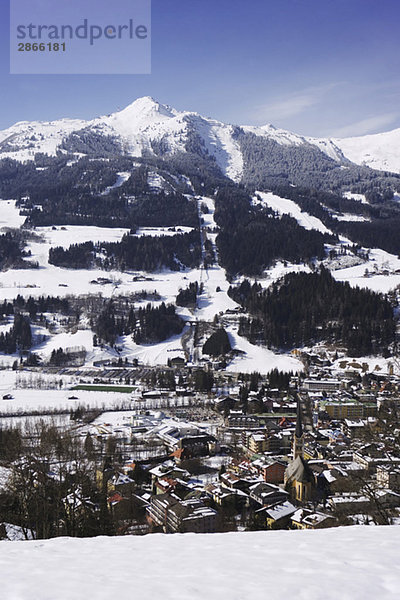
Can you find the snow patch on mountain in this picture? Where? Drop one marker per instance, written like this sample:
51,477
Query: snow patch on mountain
220,143
121,178
283,206
281,136
381,273
24,139
359,197
328,147
9,215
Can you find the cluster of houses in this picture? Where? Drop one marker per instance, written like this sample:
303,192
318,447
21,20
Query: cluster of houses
315,456
324,452
276,475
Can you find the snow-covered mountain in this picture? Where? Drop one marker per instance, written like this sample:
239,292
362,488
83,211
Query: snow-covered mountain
138,128
148,126
379,151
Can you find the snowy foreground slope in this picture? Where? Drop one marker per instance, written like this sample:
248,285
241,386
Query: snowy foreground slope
357,563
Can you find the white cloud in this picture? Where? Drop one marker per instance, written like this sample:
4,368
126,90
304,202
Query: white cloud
370,125
293,104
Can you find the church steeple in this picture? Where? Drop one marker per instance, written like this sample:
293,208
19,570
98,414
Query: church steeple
298,440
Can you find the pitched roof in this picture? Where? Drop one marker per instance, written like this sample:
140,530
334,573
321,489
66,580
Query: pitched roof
298,470
115,498
279,511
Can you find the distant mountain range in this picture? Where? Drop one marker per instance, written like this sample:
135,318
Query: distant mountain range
139,167
147,127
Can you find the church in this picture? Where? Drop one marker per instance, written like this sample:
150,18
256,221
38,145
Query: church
299,478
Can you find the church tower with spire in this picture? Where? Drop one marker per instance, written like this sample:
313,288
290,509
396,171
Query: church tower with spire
299,479
298,440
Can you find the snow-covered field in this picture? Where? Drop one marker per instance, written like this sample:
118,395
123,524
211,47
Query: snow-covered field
379,262
360,197
154,354
9,215
42,400
376,364
351,563
76,234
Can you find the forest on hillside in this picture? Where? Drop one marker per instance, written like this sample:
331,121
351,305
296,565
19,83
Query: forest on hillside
381,211
252,238
145,253
147,325
305,308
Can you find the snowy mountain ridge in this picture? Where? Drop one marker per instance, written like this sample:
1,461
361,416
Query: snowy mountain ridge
145,123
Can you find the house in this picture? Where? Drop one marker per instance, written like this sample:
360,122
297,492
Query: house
354,428
223,496
182,516
124,508
77,505
230,480
121,483
167,470
278,516
267,494
274,472
239,421
387,498
371,456
192,516
321,385
176,361
348,503
388,476
307,519
256,442
198,445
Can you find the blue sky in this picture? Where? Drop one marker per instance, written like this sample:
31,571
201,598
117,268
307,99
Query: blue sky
316,67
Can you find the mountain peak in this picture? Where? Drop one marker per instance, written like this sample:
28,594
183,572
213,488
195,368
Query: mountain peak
147,107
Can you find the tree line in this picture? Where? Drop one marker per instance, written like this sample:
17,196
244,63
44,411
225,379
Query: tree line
144,253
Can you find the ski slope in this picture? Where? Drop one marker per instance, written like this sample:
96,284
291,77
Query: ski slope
258,358
283,206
